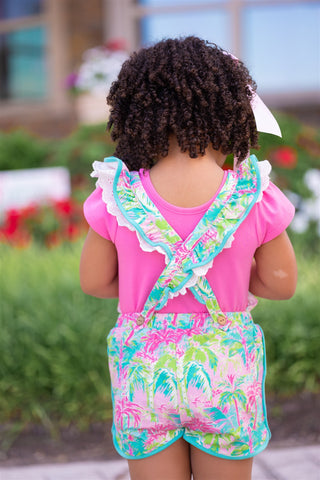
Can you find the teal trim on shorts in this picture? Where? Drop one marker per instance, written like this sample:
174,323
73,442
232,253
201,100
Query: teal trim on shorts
264,380
145,455
265,444
227,457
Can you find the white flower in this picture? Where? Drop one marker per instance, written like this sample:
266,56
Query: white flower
312,180
99,69
300,223
308,208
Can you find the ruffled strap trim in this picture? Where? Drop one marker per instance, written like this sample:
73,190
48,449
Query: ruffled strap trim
126,199
196,254
109,173
113,172
264,171
265,168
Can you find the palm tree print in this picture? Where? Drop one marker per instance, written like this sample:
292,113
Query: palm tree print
127,413
184,374
233,394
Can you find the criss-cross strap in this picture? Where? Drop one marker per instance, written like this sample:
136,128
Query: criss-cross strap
188,261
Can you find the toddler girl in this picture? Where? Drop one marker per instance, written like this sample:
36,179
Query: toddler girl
182,242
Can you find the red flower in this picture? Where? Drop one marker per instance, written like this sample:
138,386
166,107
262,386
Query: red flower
49,224
28,212
12,222
285,157
63,207
73,231
117,44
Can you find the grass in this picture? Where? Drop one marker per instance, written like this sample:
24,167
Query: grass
53,365
292,332
53,350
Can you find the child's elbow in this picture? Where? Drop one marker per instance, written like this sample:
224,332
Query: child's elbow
92,289
87,288
287,294
287,291
99,290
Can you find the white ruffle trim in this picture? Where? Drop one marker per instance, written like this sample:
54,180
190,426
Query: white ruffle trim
252,302
264,170
105,172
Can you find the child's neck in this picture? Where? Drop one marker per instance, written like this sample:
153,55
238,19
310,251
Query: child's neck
188,182
175,155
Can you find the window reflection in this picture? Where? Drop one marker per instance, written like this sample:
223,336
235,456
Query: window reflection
22,62
160,3
282,46
211,25
20,8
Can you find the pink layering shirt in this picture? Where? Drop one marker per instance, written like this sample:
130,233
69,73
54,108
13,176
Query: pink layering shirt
230,273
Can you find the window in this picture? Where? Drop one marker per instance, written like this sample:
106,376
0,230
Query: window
23,39
160,3
279,41
210,25
282,46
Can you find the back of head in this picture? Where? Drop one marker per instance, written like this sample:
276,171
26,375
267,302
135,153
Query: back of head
183,87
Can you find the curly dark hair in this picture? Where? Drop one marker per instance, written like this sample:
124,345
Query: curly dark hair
185,87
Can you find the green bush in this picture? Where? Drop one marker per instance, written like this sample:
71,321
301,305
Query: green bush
304,143
292,332
53,361
53,351
20,149
80,149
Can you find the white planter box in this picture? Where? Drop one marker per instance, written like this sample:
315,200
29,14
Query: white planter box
91,108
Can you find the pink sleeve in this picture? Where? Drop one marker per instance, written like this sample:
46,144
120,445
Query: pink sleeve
274,214
97,216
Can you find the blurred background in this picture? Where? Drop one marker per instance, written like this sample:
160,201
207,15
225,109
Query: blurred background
57,61
42,42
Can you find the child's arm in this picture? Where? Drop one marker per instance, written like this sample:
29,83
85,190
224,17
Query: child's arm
99,267
274,269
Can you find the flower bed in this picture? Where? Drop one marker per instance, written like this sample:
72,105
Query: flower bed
49,225
295,163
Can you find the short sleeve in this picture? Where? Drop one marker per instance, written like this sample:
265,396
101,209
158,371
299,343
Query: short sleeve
274,214
98,218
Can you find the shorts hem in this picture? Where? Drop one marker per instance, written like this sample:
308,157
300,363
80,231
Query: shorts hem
145,455
228,457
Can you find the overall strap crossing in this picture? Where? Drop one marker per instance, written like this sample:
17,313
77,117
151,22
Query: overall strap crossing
188,261
192,258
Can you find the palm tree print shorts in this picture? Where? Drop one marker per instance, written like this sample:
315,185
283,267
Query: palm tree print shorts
192,376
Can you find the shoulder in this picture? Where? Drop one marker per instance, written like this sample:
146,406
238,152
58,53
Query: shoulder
98,217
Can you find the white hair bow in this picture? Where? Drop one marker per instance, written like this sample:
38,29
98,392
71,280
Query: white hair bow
265,121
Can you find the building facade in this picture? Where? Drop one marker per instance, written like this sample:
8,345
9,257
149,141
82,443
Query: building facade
42,41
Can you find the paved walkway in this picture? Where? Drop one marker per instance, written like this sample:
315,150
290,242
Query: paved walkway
299,463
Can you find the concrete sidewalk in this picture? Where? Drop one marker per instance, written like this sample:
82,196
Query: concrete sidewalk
298,463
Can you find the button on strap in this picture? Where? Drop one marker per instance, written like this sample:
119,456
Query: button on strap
221,319
140,320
